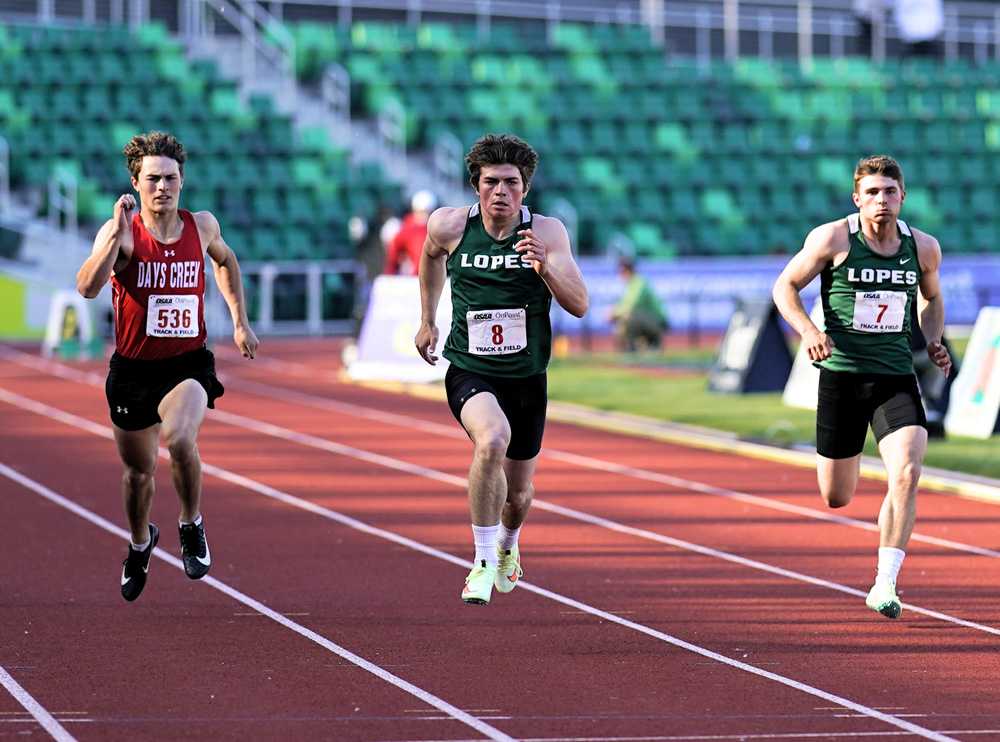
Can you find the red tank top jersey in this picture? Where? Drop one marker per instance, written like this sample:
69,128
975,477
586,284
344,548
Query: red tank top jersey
160,296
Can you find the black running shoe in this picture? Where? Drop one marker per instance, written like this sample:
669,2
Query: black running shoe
194,550
135,568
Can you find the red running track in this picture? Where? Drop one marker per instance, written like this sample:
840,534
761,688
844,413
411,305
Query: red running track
670,593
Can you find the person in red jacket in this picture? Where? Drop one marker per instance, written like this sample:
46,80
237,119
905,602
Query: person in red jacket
162,376
403,255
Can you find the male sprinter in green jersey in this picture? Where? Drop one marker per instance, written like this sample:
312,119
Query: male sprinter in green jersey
505,265
872,267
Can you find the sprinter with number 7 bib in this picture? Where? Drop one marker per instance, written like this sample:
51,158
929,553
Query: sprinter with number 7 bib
505,265
162,377
872,267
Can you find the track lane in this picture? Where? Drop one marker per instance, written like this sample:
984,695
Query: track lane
462,504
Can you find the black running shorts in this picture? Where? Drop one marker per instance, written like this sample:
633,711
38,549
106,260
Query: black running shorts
523,400
848,403
135,388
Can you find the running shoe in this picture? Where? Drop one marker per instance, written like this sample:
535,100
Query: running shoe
194,550
479,584
882,599
135,568
509,570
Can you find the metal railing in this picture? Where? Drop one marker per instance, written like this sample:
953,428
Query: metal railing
295,284
62,201
265,43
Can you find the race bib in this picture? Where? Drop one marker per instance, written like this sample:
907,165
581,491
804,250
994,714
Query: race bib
497,332
172,316
879,311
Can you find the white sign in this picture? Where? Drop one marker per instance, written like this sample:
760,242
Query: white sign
386,351
975,393
802,388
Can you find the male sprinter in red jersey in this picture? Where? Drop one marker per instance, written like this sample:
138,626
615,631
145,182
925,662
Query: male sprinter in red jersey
161,375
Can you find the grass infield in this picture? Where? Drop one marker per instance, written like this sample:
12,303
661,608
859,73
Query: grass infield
673,386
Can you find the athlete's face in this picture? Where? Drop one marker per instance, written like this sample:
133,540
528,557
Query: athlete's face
501,191
879,198
159,184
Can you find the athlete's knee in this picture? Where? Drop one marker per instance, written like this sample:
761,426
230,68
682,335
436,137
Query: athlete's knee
905,480
137,478
836,496
521,496
491,444
181,442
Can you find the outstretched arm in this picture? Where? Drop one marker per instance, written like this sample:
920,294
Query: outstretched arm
547,246
818,250
230,282
96,269
930,303
433,273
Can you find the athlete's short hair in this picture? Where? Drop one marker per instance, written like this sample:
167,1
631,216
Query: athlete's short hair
878,165
501,149
154,143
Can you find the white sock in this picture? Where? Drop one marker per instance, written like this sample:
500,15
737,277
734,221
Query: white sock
508,537
486,544
141,547
195,522
889,561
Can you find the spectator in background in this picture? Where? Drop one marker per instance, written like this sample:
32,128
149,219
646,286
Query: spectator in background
869,13
639,315
920,24
403,255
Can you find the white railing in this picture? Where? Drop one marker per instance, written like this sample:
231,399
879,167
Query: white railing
447,159
391,127
335,89
265,43
976,25
565,212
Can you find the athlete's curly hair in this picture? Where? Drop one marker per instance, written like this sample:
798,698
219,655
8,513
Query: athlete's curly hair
155,143
501,149
878,165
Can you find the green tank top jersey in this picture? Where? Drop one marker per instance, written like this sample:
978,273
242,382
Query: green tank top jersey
866,305
499,305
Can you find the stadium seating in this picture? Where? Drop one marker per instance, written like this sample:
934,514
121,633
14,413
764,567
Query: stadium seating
680,158
684,159
70,98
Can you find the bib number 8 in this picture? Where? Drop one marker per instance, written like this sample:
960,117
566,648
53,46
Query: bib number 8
497,332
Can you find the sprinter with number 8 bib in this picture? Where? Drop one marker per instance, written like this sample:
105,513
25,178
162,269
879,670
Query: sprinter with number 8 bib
505,265
872,267
162,377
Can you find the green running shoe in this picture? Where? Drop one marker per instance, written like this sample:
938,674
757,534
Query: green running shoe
882,599
509,570
479,584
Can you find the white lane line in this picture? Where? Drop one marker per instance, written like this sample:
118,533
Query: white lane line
363,527
432,474
413,423
723,737
322,444
589,462
429,698
33,707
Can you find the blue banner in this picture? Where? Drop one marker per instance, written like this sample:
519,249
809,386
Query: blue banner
700,294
